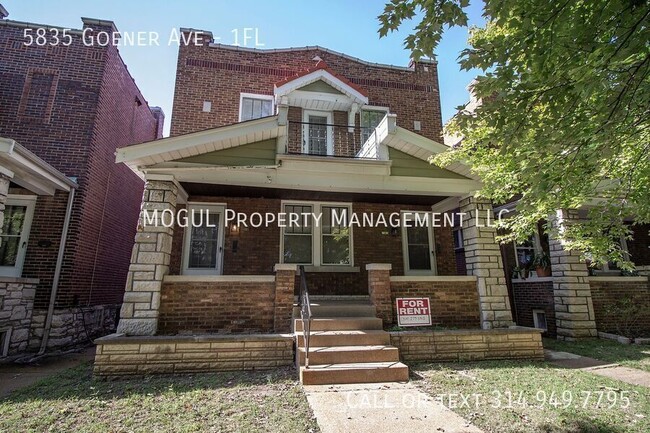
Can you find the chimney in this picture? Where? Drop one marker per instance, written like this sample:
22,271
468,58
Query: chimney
159,115
425,64
3,12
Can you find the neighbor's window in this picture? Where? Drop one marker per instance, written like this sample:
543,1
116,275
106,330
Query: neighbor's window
369,120
326,243
255,106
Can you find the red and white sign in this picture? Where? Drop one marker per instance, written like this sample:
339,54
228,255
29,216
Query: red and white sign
413,312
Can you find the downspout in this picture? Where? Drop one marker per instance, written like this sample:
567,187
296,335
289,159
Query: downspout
57,272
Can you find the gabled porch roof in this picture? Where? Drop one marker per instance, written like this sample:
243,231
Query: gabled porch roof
176,156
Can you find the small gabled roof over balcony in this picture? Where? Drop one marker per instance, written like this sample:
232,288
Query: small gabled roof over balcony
319,88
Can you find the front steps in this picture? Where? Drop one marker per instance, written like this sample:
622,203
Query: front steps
347,345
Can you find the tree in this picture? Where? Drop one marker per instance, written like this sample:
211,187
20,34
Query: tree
564,113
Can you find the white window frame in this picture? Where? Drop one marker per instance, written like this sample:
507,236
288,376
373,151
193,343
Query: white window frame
536,321
317,233
330,131
537,246
386,110
255,96
432,247
29,201
454,233
212,207
605,269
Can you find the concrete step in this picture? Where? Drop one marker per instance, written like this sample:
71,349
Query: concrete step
348,354
367,372
370,337
339,309
340,323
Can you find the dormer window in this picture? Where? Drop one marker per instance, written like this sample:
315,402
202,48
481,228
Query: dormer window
252,106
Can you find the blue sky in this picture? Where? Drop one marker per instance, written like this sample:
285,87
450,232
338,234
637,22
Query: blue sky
345,26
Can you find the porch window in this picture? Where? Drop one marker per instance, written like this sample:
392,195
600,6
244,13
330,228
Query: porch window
369,120
525,251
253,106
323,238
336,236
298,238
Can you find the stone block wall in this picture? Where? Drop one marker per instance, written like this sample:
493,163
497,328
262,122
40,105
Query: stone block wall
123,356
466,345
609,292
453,303
16,308
73,326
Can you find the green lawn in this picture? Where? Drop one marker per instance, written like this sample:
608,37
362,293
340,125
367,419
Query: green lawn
230,402
629,355
520,396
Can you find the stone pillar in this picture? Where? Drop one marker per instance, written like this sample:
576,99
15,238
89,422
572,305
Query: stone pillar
574,310
285,280
149,261
379,290
483,258
4,190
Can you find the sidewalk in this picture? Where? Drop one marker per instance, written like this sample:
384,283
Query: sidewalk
15,376
629,375
381,407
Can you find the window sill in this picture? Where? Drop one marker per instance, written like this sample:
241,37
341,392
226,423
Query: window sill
532,280
337,269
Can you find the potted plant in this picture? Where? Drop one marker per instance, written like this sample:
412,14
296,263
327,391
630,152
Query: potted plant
542,264
516,273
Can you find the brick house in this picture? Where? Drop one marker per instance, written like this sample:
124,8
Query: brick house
69,212
288,132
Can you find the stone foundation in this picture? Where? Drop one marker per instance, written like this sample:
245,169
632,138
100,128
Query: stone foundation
16,307
469,345
118,355
73,326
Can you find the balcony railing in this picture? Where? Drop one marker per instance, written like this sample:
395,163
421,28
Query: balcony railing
324,139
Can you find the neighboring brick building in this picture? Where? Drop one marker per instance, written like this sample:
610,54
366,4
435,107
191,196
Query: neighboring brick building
72,106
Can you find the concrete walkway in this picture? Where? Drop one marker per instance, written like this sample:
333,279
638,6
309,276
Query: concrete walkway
15,376
381,407
629,375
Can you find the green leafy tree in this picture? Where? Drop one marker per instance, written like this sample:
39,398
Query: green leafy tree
564,108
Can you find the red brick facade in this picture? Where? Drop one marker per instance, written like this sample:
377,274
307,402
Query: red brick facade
534,295
609,296
73,106
254,251
219,74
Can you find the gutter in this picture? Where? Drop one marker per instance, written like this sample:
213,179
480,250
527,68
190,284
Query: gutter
57,272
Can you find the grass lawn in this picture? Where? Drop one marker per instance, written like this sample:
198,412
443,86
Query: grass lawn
629,355
222,402
521,396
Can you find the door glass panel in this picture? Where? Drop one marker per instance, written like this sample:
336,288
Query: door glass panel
12,229
204,241
317,135
419,251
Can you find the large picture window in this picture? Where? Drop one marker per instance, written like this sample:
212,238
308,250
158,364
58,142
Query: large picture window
324,238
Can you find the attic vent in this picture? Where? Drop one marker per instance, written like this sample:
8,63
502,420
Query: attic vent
317,59
138,102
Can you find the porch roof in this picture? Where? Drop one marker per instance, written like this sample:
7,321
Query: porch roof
29,171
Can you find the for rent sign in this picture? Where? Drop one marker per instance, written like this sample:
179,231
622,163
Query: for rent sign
413,312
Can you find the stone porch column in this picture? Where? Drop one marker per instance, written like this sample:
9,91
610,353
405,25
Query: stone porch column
379,290
574,310
285,280
149,261
483,258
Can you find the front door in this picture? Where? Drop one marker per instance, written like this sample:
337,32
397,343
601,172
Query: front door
203,243
417,242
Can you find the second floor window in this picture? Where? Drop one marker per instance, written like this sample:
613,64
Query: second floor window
369,120
253,106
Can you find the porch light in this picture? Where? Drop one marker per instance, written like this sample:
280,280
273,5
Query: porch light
234,230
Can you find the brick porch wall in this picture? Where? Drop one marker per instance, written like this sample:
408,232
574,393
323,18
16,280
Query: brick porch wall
216,307
453,303
606,292
535,295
